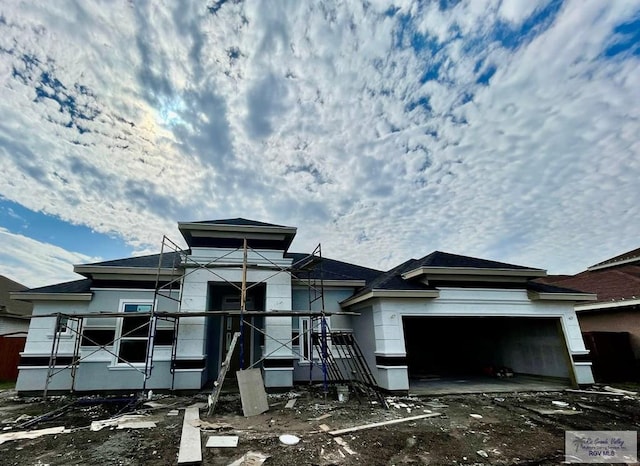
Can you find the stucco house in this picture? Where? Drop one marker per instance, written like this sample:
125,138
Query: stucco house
166,321
610,324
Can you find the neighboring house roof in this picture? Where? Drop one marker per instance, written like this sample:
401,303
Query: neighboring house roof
9,306
624,258
619,285
616,282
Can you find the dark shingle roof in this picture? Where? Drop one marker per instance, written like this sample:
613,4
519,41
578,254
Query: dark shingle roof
331,269
169,260
445,259
237,221
75,286
535,285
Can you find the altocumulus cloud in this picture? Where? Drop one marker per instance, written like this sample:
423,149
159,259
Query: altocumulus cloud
383,129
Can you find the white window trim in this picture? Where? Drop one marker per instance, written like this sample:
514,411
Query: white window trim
118,336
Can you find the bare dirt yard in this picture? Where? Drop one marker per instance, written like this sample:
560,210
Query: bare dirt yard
473,429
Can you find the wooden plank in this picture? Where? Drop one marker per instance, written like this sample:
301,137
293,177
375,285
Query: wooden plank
291,403
252,392
217,386
190,444
384,423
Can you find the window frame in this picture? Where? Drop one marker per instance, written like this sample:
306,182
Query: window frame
119,338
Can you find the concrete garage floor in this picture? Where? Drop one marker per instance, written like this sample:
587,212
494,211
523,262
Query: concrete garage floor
481,384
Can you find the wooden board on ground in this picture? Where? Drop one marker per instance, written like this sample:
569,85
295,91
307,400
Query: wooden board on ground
252,392
384,423
190,445
217,385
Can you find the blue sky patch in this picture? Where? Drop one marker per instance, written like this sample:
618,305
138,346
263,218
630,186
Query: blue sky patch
49,229
627,39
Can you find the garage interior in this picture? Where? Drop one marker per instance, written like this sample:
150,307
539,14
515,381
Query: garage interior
487,351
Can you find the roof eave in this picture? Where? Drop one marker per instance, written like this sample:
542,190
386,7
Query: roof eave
378,293
473,271
90,270
607,305
613,264
329,283
544,296
35,296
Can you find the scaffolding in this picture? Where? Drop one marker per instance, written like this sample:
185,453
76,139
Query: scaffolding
175,264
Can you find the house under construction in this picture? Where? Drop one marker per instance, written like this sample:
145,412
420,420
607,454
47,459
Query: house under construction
167,321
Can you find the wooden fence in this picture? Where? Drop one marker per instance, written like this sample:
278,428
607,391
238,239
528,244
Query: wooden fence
10,348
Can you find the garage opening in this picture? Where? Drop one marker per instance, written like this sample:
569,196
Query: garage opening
499,347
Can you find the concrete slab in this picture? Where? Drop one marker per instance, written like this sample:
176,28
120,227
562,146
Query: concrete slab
222,441
478,384
190,446
252,392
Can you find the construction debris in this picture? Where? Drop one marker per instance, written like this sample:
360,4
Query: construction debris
251,458
252,392
127,421
476,416
31,434
222,441
190,444
340,441
291,403
289,439
620,391
384,423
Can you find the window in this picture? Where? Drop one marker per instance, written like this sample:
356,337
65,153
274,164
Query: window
309,340
134,333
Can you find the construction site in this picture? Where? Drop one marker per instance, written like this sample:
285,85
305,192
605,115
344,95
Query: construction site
228,353
303,426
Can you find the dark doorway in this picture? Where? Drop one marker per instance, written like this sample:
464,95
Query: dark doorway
485,346
225,297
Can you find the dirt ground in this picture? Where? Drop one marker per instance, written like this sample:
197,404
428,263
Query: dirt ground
508,429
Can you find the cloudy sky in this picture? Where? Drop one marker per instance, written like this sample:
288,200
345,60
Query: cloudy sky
507,130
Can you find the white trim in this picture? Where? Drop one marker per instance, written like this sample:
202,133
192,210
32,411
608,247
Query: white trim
391,294
103,270
538,295
118,334
329,283
614,264
607,305
35,296
473,271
